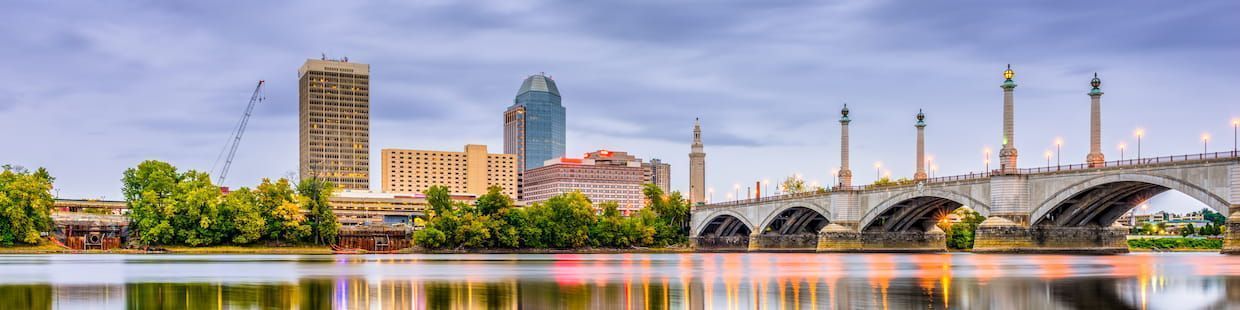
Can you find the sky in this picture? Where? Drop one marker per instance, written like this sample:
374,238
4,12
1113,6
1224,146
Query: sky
95,87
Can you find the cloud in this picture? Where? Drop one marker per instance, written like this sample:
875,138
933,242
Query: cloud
767,78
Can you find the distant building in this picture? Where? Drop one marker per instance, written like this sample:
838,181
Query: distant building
471,171
334,118
655,172
600,180
659,173
534,126
94,206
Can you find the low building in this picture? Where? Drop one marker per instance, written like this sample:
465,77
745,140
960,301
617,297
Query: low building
90,231
471,171
602,180
365,207
94,206
375,238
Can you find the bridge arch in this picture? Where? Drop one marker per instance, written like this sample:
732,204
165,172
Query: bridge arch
1101,200
724,221
798,216
906,209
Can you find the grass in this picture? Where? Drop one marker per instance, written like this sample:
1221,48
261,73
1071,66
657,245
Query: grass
233,249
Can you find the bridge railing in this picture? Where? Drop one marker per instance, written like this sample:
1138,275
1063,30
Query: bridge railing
1131,162
984,175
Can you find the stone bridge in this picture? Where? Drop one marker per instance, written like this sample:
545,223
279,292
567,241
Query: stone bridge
1055,209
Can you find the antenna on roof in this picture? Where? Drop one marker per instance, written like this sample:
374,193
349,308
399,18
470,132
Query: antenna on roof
323,56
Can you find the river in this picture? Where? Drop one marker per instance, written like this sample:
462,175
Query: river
622,281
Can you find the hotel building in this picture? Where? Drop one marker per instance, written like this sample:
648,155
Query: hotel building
601,176
471,171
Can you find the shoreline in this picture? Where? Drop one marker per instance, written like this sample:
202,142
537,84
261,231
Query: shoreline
323,250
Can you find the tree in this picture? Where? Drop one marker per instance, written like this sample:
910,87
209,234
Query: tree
323,224
278,204
149,190
430,238
793,185
439,199
198,221
493,201
25,204
248,223
1188,230
1214,217
567,220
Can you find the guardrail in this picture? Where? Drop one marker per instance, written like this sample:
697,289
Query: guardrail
1131,162
983,175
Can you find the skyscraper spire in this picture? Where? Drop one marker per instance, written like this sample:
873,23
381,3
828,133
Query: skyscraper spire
697,166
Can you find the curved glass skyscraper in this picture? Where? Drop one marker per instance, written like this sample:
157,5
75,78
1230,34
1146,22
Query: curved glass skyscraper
534,124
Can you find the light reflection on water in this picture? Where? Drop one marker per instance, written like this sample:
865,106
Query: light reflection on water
622,281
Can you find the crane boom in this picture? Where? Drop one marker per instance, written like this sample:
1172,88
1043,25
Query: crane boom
240,130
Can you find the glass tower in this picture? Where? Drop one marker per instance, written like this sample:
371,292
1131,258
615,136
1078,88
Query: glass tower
534,124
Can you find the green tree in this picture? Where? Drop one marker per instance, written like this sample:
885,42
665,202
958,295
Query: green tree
278,204
1214,217
198,221
567,220
314,193
430,238
248,223
25,205
493,201
150,190
439,199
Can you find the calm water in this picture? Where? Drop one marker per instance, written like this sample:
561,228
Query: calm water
624,281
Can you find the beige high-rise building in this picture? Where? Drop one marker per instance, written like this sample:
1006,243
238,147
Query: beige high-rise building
334,122
659,173
471,171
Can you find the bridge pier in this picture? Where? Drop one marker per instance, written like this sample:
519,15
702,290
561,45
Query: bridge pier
840,239
783,243
720,243
1231,240
1000,235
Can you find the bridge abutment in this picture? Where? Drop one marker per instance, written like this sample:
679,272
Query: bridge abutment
1231,240
999,235
720,243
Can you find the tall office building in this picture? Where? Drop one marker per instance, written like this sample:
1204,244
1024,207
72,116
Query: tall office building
334,113
534,124
472,171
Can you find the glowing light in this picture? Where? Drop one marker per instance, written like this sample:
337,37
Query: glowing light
878,164
1139,132
1058,141
1205,136
1122,145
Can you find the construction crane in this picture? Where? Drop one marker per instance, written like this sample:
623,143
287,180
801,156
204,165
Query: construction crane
231,147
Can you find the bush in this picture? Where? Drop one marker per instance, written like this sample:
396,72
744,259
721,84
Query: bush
430,238
1175,243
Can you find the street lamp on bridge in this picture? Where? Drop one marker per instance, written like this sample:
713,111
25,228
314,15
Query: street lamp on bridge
1121,150
1235,135
1139,133
1205,143
1048,158
986,158
878,170
1058,151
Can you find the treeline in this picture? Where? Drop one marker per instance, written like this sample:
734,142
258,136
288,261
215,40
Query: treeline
25,205
565,221
168,207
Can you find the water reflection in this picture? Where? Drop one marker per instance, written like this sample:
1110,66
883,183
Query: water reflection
629,281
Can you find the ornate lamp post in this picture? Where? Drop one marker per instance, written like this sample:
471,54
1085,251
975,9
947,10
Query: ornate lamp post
1139,133
1121,150
1205,143
1058,151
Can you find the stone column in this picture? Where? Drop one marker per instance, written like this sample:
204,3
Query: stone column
697,167
1095,157
921,147
1231,241
1007,155
845,173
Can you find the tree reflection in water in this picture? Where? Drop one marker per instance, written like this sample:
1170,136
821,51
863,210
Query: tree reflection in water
690,281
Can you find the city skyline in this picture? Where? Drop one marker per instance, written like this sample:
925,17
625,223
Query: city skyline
764,117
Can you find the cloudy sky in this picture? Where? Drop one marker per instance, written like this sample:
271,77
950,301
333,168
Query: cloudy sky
94,87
